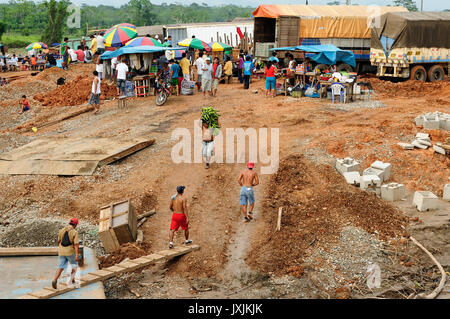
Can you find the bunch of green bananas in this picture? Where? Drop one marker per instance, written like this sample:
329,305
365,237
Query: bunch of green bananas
211,116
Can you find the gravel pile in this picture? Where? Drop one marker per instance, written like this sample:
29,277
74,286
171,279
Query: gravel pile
9,141
357,105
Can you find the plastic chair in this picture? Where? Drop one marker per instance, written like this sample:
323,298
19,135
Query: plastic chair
338,89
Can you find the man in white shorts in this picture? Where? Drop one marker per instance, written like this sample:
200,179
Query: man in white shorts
207,70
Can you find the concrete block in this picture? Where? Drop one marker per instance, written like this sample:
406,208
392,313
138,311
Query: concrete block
352,177
423,142
417,144
419,120
385,167
406,146
445,125
376,190
392,192
374,171
424,200
431,122
446,195
424,136
369,181
439,149
347,164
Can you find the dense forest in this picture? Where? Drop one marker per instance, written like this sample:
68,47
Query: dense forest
29,17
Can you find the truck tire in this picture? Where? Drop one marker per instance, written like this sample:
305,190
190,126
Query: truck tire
418,73
436,73
344,67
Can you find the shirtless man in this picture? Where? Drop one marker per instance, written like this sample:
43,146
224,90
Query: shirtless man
247,179
180,217
207,143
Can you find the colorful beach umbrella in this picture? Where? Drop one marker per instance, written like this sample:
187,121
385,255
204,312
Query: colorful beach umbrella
36,46
219,46
136,42
195,44
118,35
129,25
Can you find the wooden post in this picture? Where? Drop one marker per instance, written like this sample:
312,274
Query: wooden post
231,38
280,210
217,37
220,39
246,39
237,41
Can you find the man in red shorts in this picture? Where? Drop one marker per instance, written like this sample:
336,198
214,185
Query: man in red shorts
180,217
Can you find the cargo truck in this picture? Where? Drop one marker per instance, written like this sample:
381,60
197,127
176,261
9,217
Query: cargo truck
412,45
347,27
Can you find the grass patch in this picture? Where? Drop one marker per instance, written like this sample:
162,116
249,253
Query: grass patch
14,40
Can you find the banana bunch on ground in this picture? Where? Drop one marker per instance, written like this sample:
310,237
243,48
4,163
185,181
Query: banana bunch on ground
211,116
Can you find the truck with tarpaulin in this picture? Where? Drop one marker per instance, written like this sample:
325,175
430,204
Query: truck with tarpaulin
412,45
346,27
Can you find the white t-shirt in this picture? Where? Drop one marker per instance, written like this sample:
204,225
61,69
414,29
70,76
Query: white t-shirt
122,70
199,63
113,63
99,68
169,55
94,89
100,42
73,55
13,61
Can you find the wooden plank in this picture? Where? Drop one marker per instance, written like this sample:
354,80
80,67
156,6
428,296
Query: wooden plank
60,290
142,261
126,152
89,279
27,296
280,210
28,251
154,257
130,265
105,274
42,294
116,269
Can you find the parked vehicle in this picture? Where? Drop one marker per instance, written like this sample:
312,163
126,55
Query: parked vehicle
414,45
163,91
346,27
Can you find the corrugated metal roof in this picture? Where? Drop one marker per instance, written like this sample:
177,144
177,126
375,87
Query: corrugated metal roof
301,10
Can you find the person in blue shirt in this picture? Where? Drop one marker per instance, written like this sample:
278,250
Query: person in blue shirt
169,40
247,69
174,70
274,58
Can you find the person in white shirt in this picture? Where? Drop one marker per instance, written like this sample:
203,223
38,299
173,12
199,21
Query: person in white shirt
198,65
14,62
122,71
99,67
157,38
95,92
207,70
73,55
100,43
169,55
113,68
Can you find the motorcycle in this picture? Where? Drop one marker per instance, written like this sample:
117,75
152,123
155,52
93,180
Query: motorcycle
163,91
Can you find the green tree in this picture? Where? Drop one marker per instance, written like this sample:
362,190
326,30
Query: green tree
56,15
142,12
2,28
408,4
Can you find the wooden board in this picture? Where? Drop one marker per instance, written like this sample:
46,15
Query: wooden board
68,156
28,251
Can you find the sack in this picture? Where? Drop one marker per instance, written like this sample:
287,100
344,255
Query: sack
65,242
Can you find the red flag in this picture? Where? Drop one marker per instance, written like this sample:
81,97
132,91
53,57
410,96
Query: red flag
239,32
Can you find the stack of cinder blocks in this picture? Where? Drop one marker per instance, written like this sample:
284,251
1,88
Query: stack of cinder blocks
434,121
424,201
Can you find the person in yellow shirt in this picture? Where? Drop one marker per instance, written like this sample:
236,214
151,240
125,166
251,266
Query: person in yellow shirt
228,69
93,44
68,245
185,66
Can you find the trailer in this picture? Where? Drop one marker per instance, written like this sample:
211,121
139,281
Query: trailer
346,27
414,45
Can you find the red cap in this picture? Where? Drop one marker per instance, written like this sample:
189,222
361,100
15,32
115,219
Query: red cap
74,221
250,165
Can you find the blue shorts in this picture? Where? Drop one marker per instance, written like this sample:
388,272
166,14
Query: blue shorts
270,83
62,261
247,195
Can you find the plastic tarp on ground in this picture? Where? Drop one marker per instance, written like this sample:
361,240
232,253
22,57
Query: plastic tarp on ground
412,30
328,21
326,53
138,49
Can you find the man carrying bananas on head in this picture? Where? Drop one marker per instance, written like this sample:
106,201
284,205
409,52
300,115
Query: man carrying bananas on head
207,143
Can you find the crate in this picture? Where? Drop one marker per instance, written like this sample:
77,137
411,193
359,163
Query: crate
117,225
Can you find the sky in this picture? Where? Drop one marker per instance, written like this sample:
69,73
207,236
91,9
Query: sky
428,5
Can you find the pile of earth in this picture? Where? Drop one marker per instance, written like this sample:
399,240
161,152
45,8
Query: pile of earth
411,88
76,92
317,204
128,250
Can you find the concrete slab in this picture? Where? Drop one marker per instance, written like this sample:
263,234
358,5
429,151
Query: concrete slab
424,136
20,276
369,181
417,144
374,171
431,122
424,201
385,167
392,192
352,178
446,195
439,149
423,142
347,164
406,146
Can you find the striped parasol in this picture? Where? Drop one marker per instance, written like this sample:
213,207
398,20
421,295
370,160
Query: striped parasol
120,34
129,25
36,45
219,46
136,42
195,44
